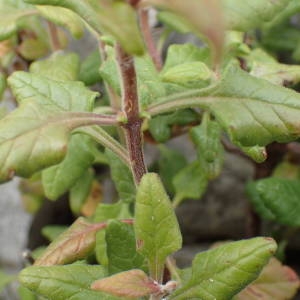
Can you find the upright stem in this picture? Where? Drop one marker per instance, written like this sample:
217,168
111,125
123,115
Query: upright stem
130,107
148,38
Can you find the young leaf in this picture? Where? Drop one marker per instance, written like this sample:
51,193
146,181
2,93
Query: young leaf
276,199
75,243
51,232
122,177
64,282
209,147
11,12
59,66
156,227
104,212
33,49
80,191
275,282
190,182
121,248
116,18
63,17
222,272
250,14
170,163
89,69
58,179
131,284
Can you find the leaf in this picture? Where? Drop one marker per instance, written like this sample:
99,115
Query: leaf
122,177
190,182
276,199
133,284
11,13
250,14
170,163
64,282
5,279
222,272
210,150
26,294
41,125
89,69
75,243
33,49
80,191
156,227
204,17
51,232
63,17
59,66
104,212
2,85
58,179
116,18
121,252
275,282
286,170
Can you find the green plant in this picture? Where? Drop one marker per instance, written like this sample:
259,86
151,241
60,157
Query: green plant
60,130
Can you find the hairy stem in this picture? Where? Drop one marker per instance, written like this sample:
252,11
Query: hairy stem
130,107
148,38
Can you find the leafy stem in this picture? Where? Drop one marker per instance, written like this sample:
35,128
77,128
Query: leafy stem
130,107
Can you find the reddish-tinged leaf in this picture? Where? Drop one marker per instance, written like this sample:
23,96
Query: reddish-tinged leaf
129,284
276,282
75,243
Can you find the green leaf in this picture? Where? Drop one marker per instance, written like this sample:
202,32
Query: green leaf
64,282
51,232
257,153
122,177
11,14
63,17
275,282
222,272
210,150
104,212
249,14
5,279
33,49
276,199
156,227
2,85
26,294
190,182
58,179
160,126
59,66
204,17
80,191
41,125
287,170
89,69
170,163
121,248
75,243
116,18
188,74
132,284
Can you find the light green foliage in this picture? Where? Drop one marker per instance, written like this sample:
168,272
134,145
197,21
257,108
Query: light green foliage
59,66
64,17
11,14
51,232
5,279
104,212
122,177
2,85
190,182
222,272
80,191
60,178
210,150
115,18
64,282
32,49
121,248
89,69
276,199
249,14
156,227
26,294
170,163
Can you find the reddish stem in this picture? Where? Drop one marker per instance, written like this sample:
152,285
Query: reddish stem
130,106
